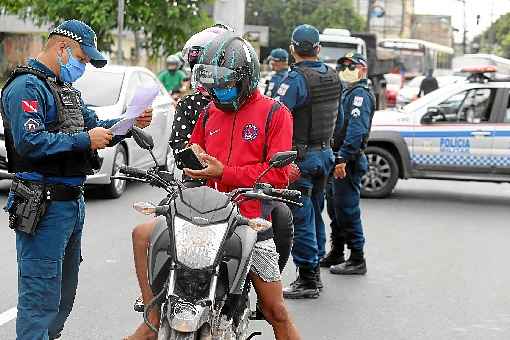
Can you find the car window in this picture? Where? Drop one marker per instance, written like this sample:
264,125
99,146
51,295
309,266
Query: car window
477,106
471,106
450,108
105,95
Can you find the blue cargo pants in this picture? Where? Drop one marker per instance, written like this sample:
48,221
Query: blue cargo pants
346,200
48,264
309,229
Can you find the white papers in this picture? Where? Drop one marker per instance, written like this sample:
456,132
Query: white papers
122,126
143,98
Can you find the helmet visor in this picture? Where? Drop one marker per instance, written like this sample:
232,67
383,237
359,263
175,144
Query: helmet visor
210,76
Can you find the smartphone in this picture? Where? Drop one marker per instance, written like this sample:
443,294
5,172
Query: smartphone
189,159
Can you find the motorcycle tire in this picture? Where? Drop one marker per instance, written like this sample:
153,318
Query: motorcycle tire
176,335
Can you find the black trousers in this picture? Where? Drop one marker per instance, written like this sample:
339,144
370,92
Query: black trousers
283,230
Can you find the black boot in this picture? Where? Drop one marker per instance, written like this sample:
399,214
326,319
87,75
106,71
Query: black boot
318,280
305,287
333,258
355,265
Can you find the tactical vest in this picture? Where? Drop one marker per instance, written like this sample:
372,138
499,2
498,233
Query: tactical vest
69,120
339,139
314,122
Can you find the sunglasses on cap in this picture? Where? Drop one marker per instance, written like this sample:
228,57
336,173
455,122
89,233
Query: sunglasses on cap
343,67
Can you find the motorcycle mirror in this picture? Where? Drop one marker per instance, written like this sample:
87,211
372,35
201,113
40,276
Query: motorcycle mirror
281,159
259,224
143,139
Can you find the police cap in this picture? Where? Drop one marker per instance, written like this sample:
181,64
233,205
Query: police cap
305,39
354,57
85,36
279,54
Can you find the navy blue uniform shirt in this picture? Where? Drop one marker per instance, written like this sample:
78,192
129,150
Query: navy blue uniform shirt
275,82
357,103
29,101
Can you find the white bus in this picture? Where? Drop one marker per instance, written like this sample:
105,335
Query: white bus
418,56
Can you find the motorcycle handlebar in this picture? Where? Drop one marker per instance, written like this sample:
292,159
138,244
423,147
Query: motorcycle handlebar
284,193
133,172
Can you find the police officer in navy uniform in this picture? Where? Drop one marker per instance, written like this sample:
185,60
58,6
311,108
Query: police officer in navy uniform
51,140
279,63
311,91
351,137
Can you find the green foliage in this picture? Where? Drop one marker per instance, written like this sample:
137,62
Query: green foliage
496,39
283,15
167,24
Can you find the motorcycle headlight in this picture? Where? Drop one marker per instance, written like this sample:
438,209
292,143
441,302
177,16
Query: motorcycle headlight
197,246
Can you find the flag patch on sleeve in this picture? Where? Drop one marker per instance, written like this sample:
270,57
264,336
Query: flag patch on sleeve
29,106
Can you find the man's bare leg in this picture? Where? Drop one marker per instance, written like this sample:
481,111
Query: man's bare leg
270,295
141,237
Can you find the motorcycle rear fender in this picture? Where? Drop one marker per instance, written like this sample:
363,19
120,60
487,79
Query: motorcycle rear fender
238,266
159,260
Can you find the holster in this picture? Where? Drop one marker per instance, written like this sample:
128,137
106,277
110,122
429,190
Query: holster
28,207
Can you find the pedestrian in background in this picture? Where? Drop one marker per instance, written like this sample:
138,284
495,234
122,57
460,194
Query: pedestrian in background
311,91
279,63
351,137
428,84
172,77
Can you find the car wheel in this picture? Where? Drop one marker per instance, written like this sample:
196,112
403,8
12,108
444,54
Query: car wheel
382,175
117,186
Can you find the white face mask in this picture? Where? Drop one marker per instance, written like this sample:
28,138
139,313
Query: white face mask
349,76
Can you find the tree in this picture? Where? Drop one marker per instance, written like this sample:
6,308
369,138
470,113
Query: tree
167,24
283,15
496,39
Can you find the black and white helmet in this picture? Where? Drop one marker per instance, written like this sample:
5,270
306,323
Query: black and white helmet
226,62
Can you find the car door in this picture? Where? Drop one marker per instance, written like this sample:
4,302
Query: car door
501,153
159,128
457,134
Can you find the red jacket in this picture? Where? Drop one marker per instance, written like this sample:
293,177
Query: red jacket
237,138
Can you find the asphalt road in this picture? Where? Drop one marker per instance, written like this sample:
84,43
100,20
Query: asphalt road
437,255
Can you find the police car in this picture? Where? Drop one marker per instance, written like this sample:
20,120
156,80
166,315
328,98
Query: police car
458,132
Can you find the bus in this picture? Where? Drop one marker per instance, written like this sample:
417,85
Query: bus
418,56
477,60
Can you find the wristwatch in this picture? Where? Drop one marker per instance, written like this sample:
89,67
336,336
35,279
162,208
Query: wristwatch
340,160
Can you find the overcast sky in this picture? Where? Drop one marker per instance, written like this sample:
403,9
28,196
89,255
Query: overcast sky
473,7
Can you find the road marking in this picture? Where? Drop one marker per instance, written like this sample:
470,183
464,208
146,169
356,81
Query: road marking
8,315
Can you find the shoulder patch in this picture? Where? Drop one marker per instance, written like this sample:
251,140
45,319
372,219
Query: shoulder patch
31,125
358,101
282,90
29,106
355,113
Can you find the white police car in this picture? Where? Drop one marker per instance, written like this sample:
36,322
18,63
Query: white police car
459,132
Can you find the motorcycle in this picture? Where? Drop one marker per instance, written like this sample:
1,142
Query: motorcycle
199,253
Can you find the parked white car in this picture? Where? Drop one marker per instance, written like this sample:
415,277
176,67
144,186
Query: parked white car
108,91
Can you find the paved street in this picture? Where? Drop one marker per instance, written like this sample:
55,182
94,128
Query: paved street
437,257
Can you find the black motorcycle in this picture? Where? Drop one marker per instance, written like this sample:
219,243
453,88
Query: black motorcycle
200,250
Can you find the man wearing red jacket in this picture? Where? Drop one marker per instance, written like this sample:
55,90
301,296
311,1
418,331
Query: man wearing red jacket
236,136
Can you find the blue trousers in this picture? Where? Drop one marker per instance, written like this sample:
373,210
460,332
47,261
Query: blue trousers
309,229
346,200
48,264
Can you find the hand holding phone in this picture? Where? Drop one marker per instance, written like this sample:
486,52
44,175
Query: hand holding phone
189,158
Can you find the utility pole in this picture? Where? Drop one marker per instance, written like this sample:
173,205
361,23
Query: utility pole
120,28
369,14
464,34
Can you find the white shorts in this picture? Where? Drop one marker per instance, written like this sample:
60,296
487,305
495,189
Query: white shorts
264,261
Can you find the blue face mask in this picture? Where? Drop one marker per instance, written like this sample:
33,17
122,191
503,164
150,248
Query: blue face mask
71,71
226,95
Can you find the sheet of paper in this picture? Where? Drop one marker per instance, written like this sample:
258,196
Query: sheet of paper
143,98
122,126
